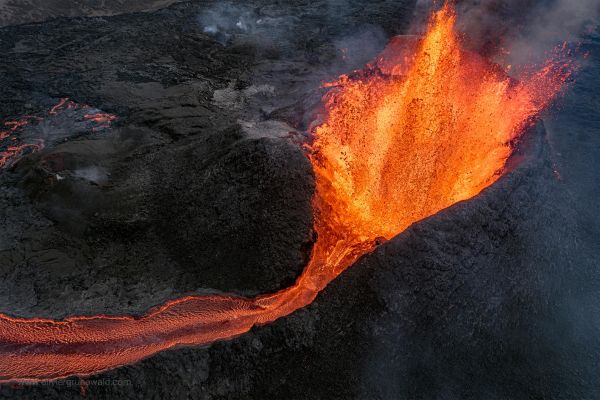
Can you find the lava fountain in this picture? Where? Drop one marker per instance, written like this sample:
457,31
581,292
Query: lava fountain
426,125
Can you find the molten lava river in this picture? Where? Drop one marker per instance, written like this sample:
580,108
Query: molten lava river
424,126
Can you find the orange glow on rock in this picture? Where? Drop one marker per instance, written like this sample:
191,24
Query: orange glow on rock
423,127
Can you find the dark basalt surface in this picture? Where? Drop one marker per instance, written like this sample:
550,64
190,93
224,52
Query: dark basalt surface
239,217
204,184
206,189
25,11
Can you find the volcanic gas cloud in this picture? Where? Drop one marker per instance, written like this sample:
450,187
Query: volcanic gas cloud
426,125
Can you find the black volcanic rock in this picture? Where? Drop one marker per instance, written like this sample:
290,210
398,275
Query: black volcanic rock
237,213
14,12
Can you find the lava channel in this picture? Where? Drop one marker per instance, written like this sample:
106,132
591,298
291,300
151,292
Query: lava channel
426,125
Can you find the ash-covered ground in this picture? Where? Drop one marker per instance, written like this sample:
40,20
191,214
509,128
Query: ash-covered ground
200,185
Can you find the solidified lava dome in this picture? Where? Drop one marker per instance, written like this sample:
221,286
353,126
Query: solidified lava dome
425,125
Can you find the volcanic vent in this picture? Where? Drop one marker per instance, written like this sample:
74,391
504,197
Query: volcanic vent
407,137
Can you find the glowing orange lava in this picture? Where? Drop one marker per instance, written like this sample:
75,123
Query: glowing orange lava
423,127
102,119
12,149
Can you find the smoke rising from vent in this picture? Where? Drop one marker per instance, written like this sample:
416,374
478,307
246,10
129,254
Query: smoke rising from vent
555,23
361,47
526,30
224,21
92,173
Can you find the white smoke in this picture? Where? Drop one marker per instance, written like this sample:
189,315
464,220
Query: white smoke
226,20
560,21
94,174
527,29
361,47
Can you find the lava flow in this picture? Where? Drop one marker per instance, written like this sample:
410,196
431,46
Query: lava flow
13,148
14,144
423,127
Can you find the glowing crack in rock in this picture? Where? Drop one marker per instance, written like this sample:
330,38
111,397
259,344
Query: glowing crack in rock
425,126
31,133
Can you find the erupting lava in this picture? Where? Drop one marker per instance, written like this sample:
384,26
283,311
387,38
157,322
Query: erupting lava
425,126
